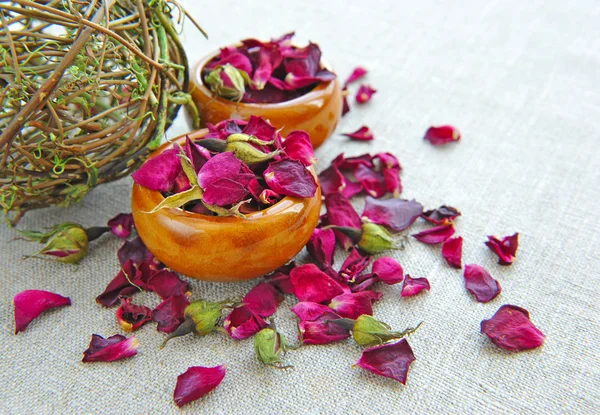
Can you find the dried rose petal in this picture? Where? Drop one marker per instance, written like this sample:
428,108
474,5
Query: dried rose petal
297,146
341,213
452,252
356,74
113,348
373,181
121,225
354,265
351,163
196,382
260,128
120,286
391,173
159,173
332,180
280,278
135,251
29,304
305,61
321,247
396,214
290,178
131,316
263,299
312,284
269,197
268,60
364,94
197,154
388,270
345,105
242,323
352,305
511,329
389,360
235,59
435,235
481,283
225,128
443,215
506,249
169,313
413,286
364,133
442,134
167,284
224,192
224,165
315,324
296,82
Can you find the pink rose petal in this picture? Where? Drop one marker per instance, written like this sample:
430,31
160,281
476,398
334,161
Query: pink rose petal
511,329
113,348
263,299
372,181
389,360
352,305
442,134
354,265
388,270
315,324
196,382
167,284
332,180
443,215
435,235
364,94
242,323
131,316
356,74
159,173
260,128
341,213
297,146
29,304
413,286
321,247
364,133
280,278
452,252
169,313
121,225
506,248
479,282
224,192
395,214
312,284
290,178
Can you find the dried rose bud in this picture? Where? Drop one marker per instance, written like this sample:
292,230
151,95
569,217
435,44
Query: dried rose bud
227,81
368,331
375,238
201,317
69,245
270,347
196,382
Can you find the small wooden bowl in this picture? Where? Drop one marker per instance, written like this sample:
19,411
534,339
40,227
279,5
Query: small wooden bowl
316,112
217,248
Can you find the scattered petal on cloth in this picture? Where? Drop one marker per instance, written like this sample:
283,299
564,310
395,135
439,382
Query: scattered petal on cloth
315,324
389,360
506,248
364,133
435,235
511,329
242,323
121,225
443,215
364,94
373,181
170,313
135,251
354,265
479,282
131,316
332,180
356,74
396,214
312,284
263,299
452,252
321,247
167,284
341,213
120,286
388,270
280,278
29,304
413,286
113,348
353,305
196,382
442,134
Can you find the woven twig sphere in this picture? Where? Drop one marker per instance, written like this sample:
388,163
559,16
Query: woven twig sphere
86,88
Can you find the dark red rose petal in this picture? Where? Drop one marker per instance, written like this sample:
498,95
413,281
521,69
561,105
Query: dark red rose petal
224,166
312,284
506,249
332,180
113,348
297,146
345,105
364,133
389,360
364,94
452,252
263,299
121,225
353,305
159,173
341,213
388,270
260,128
479,282
224,192
197,154
169,313
242,323
413,286
356,74
290,178
442,134
315,324
235,59
29,304
196,382
120,286
443,215
511,329
354,265
372,181
435,235
352,163
131,316
167,284
395,214
280,278
321,247
135,251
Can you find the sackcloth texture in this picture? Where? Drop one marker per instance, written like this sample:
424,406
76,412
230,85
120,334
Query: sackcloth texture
520,79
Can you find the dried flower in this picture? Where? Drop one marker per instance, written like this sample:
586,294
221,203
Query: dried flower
353,305
131,317
321,247
389,360
341,213
479,282
170,313
291,178
442,134
29,304
435,235
263,299
313,285
159,173
368,331
270,348
356,74
297,146
364,94
511,329
506,249
443,215
166,284
196,382
121,225
396,214
375,238
413,286
242,323
67,242
316,324
364,133
388,270
354,265
113,348
452,252
372,181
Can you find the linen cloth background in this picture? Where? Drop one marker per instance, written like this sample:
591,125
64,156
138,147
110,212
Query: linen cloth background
521,81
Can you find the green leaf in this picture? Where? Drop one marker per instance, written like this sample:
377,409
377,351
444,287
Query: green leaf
179,199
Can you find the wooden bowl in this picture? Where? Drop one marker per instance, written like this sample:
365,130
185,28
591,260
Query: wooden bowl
316,112
217,248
